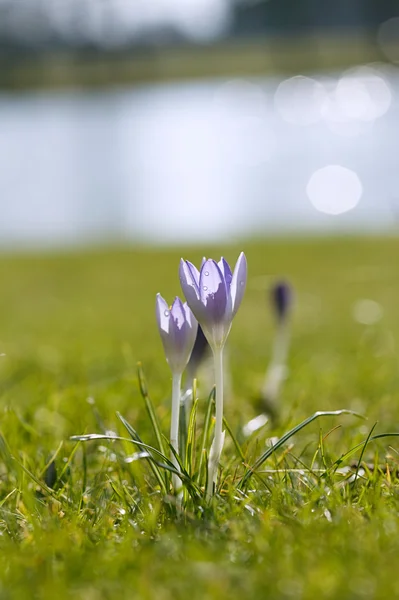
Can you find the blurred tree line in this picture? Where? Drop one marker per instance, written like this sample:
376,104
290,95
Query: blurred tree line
33,29
291,16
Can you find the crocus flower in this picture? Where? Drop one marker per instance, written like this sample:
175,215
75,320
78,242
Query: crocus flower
178,329
281,295
214,295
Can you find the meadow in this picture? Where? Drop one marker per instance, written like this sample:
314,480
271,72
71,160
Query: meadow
88,520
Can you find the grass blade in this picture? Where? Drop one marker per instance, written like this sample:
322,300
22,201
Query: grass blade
353,450
327,413
362,453
190,446
205,433
234,440
39,483
163,481
150,407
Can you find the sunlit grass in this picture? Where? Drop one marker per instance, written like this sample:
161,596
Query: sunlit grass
314,519
252,56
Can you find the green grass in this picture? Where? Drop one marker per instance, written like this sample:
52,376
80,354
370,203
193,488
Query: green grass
259,56
73,327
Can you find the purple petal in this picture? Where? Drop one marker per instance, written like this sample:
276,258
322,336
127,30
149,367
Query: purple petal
178,330
189,280
162,313
192,326
189,315
238,282
213,292
192,272
227,274
181,342
178,313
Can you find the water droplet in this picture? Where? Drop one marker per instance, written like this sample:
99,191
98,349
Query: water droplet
206,273
166,313
205,288
242,283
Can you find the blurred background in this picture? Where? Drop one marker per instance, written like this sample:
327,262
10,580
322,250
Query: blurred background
175,121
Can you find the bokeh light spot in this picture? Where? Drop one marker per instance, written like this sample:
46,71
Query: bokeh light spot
363,94
367,311
334,189
300,100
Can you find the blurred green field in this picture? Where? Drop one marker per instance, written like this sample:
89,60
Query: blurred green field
74,325
273,55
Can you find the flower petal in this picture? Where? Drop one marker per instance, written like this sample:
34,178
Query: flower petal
177,332
238,282
213,292
189,280
192,325
177,313
190,272
227,274
162,314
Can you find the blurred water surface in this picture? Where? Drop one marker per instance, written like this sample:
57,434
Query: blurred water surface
201,160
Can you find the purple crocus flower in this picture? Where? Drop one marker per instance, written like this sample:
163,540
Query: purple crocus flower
178,329
214,295
281,294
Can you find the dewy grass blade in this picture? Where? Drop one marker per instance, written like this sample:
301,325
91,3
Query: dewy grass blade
362,453
68,462
328,413
189,410
167,464
84,477
5,453
52,459
4,500
179,464
132,432
353,450
150,408
206,431
41,484
163,481
190,447
234,440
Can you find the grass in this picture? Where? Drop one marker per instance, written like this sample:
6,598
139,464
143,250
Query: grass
308,524
259,56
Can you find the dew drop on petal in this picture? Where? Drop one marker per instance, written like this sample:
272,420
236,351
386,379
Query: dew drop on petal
166,313
242,283
206,273
205,288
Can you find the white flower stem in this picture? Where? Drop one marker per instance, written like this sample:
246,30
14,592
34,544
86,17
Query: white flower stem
216,449
174,425
276,371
